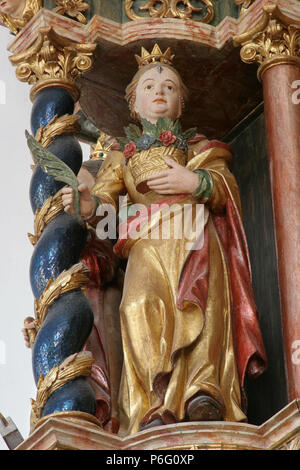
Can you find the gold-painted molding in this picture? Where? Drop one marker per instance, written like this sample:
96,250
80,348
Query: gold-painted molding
273,41
77,365
72,8
76,417
16,24
170,9
53,61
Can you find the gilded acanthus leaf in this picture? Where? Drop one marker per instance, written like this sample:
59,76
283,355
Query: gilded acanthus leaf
67,124
73,8
71,279
53,60
50,209
76,365
182,9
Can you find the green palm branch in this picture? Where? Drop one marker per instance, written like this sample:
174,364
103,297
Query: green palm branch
53,166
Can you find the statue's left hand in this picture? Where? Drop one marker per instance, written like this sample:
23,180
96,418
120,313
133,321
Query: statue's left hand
28,324
175,180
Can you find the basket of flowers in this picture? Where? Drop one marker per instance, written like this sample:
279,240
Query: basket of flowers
145,149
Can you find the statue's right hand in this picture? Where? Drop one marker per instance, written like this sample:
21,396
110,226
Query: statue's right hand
87,203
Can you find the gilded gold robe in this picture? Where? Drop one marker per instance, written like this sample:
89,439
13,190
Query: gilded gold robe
170,353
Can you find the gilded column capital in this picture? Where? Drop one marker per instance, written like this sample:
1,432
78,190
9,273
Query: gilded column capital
273,41
53,61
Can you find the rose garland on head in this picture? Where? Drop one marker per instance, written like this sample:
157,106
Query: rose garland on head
164,133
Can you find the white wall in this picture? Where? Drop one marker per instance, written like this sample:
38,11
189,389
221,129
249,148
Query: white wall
16,299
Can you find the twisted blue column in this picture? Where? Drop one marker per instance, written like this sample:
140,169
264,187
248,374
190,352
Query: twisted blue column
69,319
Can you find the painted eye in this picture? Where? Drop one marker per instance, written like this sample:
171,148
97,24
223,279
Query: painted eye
148,87
170,87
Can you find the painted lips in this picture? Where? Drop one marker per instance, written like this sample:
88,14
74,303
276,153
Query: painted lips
159,100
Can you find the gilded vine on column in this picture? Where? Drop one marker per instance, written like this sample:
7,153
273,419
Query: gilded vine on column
171,9
74,278
77,365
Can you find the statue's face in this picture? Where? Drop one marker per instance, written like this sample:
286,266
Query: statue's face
12,7
158,95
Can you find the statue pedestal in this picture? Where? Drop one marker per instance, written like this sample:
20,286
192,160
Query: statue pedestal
282,431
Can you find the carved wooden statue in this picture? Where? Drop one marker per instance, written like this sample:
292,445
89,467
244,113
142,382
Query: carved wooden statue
188,317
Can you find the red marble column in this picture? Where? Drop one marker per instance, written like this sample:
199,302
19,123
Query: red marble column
283,137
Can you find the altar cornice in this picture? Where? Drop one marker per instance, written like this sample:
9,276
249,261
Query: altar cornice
101,28
223,90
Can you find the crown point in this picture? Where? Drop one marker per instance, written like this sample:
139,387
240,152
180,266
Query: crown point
156,50
156,55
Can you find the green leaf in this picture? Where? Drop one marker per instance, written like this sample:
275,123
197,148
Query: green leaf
177,128
128,133
122,141
168,124
190,133
148,127
160,125
135,131
54,166
157,144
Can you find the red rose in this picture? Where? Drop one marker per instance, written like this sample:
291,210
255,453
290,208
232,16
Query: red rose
167,138
129,150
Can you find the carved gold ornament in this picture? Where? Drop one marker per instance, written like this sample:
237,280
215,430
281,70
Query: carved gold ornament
16,24
73,8
182,9
151,161
50,209
77,365
102,147
245,4
293,444
155,56
275,40
74,278
53,61
67,124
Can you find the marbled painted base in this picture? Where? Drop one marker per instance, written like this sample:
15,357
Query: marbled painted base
282,431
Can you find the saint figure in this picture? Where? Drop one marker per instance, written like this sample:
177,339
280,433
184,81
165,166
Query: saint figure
188,318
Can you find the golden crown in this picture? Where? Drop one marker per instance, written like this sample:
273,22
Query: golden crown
101,149
156,56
